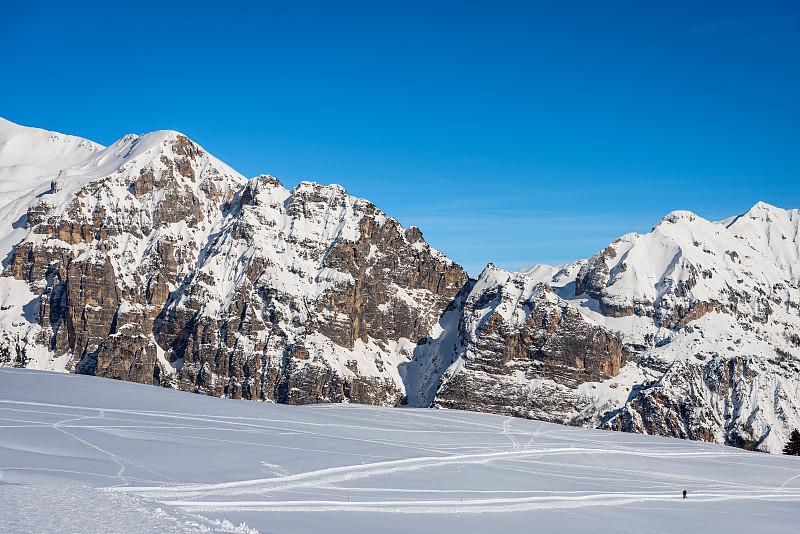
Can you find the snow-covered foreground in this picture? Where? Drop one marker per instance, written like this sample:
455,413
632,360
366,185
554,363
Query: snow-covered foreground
79,453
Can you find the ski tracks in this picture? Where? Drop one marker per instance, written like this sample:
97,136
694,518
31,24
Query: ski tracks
121,461
320,478
507,432
116,459
552,461
551,501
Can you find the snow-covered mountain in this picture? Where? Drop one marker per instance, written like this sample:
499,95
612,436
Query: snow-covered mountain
152,261
691,330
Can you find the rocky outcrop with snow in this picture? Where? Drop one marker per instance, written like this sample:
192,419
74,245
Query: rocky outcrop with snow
152,261
698,324
523,351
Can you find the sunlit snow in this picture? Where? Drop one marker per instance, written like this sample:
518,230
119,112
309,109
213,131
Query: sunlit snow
92,455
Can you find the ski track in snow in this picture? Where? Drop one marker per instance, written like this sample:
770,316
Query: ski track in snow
330,478
498,505
507,432
113,456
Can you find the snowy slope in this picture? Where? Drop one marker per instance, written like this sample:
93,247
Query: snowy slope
774,232
85,454
30,157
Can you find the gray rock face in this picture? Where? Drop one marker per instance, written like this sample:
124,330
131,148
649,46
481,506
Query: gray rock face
706,401
515,331
174,270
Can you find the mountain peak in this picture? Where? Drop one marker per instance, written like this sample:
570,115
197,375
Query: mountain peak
333,189
32,157
677,216
764,211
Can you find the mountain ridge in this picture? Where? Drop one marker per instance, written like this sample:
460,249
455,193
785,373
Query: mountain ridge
152,261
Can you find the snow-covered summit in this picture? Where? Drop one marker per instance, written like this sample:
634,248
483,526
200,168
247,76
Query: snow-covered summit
774,232
677,216
30,157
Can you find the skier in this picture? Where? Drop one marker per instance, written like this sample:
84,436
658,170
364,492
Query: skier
684,494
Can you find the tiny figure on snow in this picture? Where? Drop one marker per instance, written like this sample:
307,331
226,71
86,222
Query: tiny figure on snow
684,494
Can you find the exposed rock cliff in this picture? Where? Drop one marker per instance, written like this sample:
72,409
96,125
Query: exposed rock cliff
152,261
688,331
516,334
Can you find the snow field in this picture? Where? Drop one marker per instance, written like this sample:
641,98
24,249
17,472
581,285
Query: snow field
124,457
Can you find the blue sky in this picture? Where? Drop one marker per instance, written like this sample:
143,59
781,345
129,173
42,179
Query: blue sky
510,132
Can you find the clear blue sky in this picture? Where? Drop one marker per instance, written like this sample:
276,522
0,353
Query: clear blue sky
511,132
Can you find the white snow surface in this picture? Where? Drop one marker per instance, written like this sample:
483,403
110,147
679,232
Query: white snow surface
30,157
92,455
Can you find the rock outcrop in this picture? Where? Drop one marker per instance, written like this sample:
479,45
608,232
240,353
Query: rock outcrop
516,332
154,262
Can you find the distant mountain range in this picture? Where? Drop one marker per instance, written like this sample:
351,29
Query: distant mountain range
152,261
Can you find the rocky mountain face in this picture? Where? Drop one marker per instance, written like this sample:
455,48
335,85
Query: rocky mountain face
152,261
515,332
688,331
